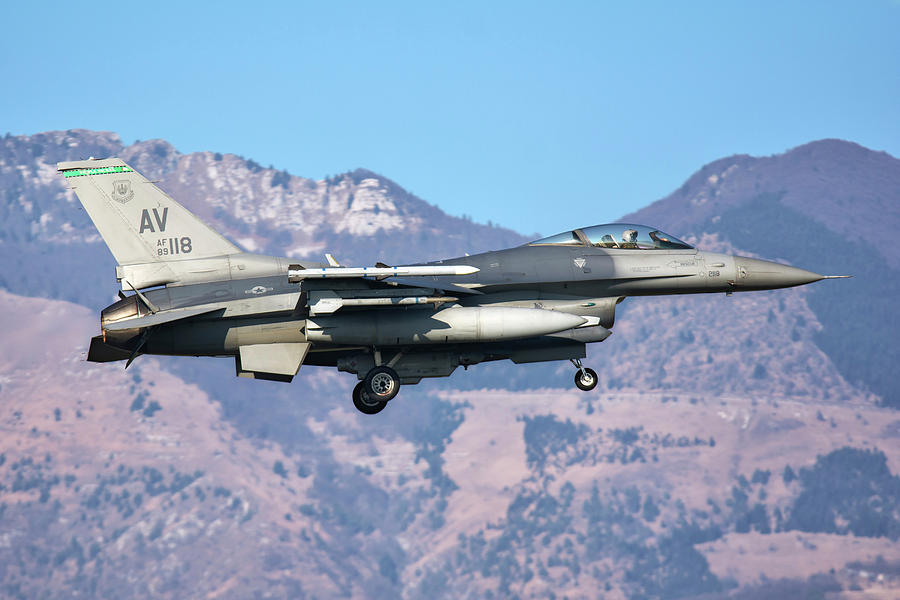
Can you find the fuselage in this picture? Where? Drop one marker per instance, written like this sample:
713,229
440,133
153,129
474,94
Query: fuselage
568,279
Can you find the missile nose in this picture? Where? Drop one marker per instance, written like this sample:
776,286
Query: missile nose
755,274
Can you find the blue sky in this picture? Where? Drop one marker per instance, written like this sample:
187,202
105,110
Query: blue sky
536,116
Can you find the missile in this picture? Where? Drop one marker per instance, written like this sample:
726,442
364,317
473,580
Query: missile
452,324
296,273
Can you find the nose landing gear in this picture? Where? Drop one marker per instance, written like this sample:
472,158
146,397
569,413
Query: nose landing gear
585,377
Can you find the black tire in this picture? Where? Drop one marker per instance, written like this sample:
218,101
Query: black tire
363,403
586,380
382,383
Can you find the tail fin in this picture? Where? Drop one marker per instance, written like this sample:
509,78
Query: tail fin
139,222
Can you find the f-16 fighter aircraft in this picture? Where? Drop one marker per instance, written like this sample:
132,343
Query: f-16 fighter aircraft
187,291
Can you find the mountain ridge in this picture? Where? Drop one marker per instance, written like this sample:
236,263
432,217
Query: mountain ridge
125,484
359,215
830,206
696,467
821,174
264,210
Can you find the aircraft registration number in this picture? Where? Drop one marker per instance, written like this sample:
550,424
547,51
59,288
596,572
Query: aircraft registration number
169,246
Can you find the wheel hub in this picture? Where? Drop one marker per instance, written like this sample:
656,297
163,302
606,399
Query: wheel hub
382,384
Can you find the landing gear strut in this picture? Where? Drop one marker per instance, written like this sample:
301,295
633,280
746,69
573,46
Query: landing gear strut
585,377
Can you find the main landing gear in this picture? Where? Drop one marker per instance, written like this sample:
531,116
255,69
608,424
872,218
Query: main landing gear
372,394
381,384
585,377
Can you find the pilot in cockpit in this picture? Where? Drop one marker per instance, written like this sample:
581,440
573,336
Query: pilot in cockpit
629,238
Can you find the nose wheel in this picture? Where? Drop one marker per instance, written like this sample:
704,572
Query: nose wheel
585,377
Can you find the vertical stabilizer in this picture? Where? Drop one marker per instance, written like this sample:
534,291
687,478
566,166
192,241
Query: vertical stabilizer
139,222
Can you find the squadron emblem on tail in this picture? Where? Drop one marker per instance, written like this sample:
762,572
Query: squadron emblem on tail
122,191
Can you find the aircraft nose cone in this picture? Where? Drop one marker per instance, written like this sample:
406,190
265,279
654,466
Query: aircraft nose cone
755,274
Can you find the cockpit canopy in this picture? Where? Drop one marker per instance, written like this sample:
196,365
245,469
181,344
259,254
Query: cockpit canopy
616,235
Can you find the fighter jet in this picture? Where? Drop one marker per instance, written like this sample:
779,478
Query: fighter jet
188,291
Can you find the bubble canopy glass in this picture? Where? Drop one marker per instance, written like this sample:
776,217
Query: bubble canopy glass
616,235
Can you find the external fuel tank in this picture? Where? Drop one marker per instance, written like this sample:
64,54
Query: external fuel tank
451,324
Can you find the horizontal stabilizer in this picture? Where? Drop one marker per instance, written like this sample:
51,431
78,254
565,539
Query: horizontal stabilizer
100,351
160,318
